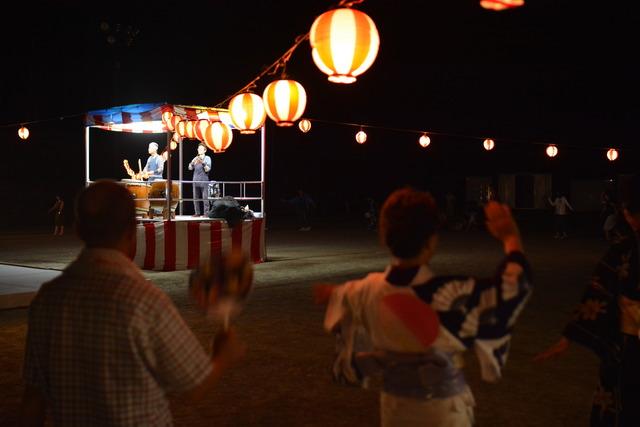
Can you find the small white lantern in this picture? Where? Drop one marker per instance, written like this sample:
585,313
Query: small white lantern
489,144
424,141
612,154
304,125
552,150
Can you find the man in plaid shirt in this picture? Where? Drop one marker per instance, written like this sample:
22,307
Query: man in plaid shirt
104,345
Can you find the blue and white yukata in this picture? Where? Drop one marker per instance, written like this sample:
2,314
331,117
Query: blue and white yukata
424,384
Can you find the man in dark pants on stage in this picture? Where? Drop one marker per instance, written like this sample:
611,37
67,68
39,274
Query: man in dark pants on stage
201,165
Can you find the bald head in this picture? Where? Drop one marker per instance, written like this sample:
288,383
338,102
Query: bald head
105,214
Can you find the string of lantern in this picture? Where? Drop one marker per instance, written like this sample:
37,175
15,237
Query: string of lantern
424,140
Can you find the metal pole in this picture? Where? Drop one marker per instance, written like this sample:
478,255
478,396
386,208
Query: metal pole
180,174
86,156
169,186
263,141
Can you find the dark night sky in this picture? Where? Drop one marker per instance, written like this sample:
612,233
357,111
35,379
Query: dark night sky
561,71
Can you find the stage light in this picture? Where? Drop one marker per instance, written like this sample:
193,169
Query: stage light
489,144
200,126
612,154
247,112
285,101
424,141
304,125
552,150
344,44
23,133
218,137
361,137
501,4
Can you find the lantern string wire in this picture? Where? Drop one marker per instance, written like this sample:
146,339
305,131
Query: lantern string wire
511,141
280,64
50,119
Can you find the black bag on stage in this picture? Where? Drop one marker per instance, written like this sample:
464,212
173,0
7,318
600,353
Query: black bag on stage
229,209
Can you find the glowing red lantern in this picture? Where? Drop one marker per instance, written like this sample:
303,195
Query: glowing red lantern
304,125
344,44
612,154
285,101
501,4
247,112
552,150
424,141
23,133
181,128
200,126
218,137
489,144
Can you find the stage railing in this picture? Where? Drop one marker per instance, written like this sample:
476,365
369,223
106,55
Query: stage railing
239,190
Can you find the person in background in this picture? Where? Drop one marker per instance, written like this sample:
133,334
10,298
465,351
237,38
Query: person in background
413,325
155,163
561,208
304,206
105,346
607,322
58,219
201,165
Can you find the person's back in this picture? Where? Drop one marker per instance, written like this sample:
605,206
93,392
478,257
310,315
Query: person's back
104,345
105,320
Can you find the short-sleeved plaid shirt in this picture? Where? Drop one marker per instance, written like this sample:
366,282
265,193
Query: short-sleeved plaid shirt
104,345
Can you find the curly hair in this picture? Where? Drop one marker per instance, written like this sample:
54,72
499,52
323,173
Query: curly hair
407,220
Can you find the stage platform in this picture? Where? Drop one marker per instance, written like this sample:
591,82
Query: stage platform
181,244
18,285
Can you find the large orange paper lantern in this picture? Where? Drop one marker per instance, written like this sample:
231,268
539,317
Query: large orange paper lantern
23,133
304,125
200,126
166,119
424,141
612,154
552,150
489,144
285,101
247,112
501,4
218,137
344,44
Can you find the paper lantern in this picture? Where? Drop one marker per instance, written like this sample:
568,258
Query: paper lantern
304,125
489,144
173,123
552,150
344,44
285,101
361,137
190,129
424,141
501,4
200,126
23,133
181,128
166,119
247,112
175,140
218,137
612,154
